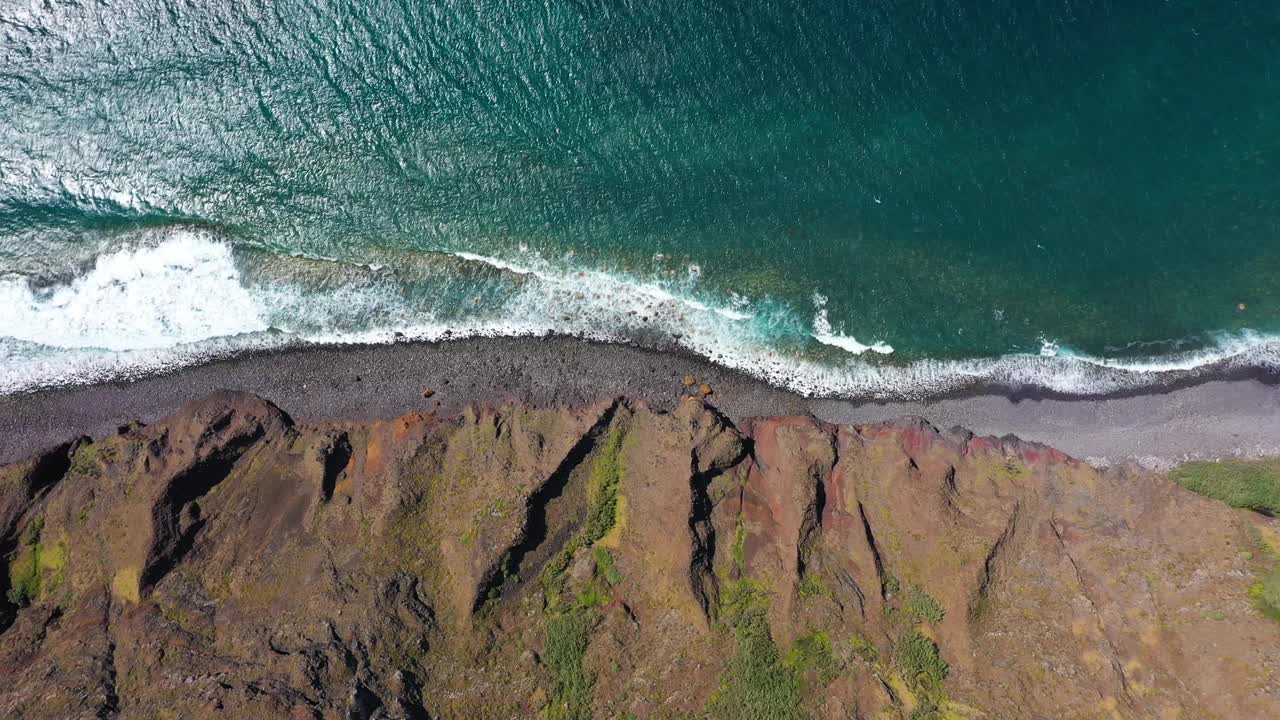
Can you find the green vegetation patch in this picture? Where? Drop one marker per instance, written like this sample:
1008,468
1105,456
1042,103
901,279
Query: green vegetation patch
864,648
812,586
603,487
30,564
605,566
410,544
24,577
922,605
757,684
567,635
1253,485
84,461
593,596
913,663
568,630
919,661
740,545
1266,593
891,584
812,653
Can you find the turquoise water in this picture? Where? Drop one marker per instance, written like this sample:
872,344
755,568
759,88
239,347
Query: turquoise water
854,198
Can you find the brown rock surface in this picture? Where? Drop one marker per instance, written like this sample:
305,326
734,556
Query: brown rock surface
513,562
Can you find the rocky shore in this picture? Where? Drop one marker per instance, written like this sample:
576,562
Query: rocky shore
1211,419
613,558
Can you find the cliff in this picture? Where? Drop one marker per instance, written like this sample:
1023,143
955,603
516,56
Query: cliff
612,561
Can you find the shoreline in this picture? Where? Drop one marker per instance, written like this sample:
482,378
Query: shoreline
895,378
1230,414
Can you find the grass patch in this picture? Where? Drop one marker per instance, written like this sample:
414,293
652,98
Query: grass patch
592,597
740,545
567,636
1265,593
613,538
84,461
1253,485
552,576
927,709
32,560
602,513
605,566
864,649
812,586
922,605
603,485
24,577
757,684
891,584
919,662
568,630
812,653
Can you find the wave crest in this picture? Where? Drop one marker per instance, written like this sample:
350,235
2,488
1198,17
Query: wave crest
822,332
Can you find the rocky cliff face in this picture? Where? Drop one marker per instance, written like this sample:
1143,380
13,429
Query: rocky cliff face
615,562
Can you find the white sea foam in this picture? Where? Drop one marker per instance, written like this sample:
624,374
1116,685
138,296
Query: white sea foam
822,332
181,300
25,366
183,289
641,295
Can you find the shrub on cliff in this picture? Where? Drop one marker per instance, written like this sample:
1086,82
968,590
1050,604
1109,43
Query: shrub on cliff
918,659
922,605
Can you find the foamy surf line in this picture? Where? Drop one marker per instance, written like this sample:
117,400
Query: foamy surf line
180,299
1065,377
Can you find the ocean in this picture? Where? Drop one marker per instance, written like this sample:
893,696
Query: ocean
868,199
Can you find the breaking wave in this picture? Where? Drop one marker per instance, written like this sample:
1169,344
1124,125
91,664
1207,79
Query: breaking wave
186,296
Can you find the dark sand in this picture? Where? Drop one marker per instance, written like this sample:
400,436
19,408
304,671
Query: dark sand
1207,420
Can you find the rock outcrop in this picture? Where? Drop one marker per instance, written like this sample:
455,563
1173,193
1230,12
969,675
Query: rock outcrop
613,561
